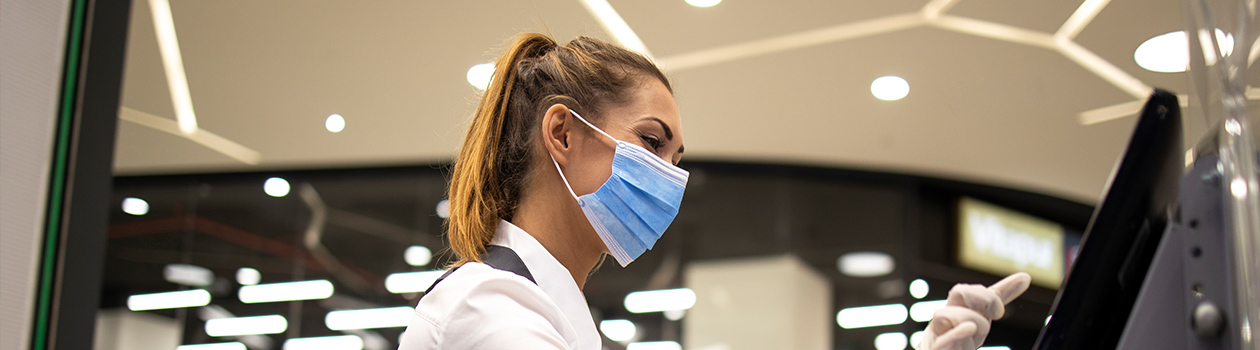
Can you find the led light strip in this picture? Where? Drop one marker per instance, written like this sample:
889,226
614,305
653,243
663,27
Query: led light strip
176,81
615,25
200,136
933,14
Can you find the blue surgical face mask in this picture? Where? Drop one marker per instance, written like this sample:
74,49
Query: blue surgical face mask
637,202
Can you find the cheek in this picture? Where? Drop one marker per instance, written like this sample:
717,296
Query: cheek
591,169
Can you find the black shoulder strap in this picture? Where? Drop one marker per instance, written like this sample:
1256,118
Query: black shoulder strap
498,257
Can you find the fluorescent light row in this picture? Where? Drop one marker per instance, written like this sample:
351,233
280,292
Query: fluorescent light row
618,330
188,275
654,345
235,326
168,300
660,300
891,341
213,346
922,311
336,342
871,316
286,291
369,318
411,282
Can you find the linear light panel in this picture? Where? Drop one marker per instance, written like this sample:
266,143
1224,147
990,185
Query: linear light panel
369,318
234,326
173,62
654,345
286,291
660,300
922,311
411,282
872,316
336,342
213,346
168,300
891,341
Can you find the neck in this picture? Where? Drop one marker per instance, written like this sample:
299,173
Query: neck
549,218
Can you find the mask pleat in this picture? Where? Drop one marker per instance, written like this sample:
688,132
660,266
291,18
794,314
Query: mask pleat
626,214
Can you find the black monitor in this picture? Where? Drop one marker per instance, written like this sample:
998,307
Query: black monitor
1094,303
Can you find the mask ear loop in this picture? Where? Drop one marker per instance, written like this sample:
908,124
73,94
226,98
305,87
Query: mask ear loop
593,126
557,164
566,180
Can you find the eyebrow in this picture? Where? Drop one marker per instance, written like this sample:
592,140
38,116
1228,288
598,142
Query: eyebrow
669,133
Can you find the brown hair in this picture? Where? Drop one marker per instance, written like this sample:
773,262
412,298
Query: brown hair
534,73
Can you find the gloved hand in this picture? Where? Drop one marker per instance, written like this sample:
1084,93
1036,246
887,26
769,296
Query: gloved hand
964,322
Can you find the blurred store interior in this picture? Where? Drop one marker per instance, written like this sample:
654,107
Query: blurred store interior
263,144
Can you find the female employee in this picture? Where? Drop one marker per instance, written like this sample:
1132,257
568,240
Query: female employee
571,155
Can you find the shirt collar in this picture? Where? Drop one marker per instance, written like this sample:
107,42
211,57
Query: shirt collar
553,278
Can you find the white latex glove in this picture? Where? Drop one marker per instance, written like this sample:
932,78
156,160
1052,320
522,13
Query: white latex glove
964,322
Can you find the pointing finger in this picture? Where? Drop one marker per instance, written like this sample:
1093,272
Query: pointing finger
1011,287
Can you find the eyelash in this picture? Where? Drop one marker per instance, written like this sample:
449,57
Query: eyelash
653,142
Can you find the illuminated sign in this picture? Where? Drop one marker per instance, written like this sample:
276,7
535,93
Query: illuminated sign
1001,241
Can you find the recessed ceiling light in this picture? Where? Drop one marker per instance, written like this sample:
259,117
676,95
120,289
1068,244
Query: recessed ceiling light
276,187
479,75
703,3
1165,53
417,255
890,88
1170,52
248,276
918,288
135,206
335,123
444,209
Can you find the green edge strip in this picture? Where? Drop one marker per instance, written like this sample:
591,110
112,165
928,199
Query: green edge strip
57,185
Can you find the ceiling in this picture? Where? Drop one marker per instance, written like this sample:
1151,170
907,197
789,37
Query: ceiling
756,81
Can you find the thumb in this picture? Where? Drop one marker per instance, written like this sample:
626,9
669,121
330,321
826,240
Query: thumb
1012,286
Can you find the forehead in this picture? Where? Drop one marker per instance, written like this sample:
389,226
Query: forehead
653,99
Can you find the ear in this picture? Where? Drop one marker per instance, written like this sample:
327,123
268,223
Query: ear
557,128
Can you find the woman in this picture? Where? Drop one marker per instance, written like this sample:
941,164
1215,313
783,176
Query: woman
571,155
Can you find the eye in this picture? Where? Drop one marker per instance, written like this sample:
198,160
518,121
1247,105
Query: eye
652,141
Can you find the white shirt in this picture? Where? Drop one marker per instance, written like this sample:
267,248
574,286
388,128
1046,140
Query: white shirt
479,307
